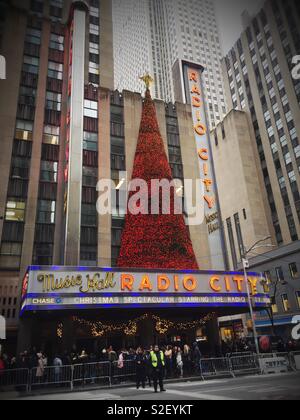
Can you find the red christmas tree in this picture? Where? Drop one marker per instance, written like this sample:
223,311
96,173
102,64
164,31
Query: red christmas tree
154,241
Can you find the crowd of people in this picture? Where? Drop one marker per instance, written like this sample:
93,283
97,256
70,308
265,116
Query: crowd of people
150,366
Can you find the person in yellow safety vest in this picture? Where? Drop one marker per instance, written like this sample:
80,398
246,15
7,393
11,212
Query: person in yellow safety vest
157,358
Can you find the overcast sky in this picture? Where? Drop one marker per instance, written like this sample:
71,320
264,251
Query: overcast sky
229,19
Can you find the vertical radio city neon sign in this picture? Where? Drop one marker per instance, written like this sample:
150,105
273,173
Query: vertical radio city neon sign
196,98
201,130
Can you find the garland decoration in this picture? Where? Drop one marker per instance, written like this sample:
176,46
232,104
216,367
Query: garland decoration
130,328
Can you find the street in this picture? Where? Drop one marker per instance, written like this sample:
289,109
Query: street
273,387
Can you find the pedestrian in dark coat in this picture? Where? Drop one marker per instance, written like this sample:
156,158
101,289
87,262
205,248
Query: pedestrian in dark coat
141,368
196,357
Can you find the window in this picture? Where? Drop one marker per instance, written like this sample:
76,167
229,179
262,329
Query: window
22,149
27,96
94,48
94,68
51,134
294,270
31,65
53,101
275,307
57,42
232,243
88,215
94,29
268,278
33,36
44,233
223,131
10,255
15,210
43,254
117,228
49,171
13,232
89,177
37,6
90,141
90,109
55,70
20,168
239,234
88,255
46,212
286,303
23,130
117,146
279,274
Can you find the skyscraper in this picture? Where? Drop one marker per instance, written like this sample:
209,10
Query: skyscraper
259,80
170,30
131,34
49,126
258,74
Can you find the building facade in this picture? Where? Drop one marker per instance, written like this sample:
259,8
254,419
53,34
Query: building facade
52,50
258,73
61,133
246,218
281,268
161,32
131,39
261,90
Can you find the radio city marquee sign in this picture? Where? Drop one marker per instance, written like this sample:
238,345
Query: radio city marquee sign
82,288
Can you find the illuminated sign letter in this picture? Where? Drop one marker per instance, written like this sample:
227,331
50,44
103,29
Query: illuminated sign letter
189,283
145,284
127,281
208,183
213,282
193,76
163,283
227,283
210,201
239,281
203,154
196,102
176,283
200,129
195,89
253,283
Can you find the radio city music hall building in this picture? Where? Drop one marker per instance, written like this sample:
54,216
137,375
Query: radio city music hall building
81,278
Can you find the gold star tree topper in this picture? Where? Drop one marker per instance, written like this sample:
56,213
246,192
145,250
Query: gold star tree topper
148,80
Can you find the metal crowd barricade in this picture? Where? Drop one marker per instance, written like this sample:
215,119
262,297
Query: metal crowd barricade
245,353
295,360
125,372
245,364
275,362
215,367
91,373
16,379
54,376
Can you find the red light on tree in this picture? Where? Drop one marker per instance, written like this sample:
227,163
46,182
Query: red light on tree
154,241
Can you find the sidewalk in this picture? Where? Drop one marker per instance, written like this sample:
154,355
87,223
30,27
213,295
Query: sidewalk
89,387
